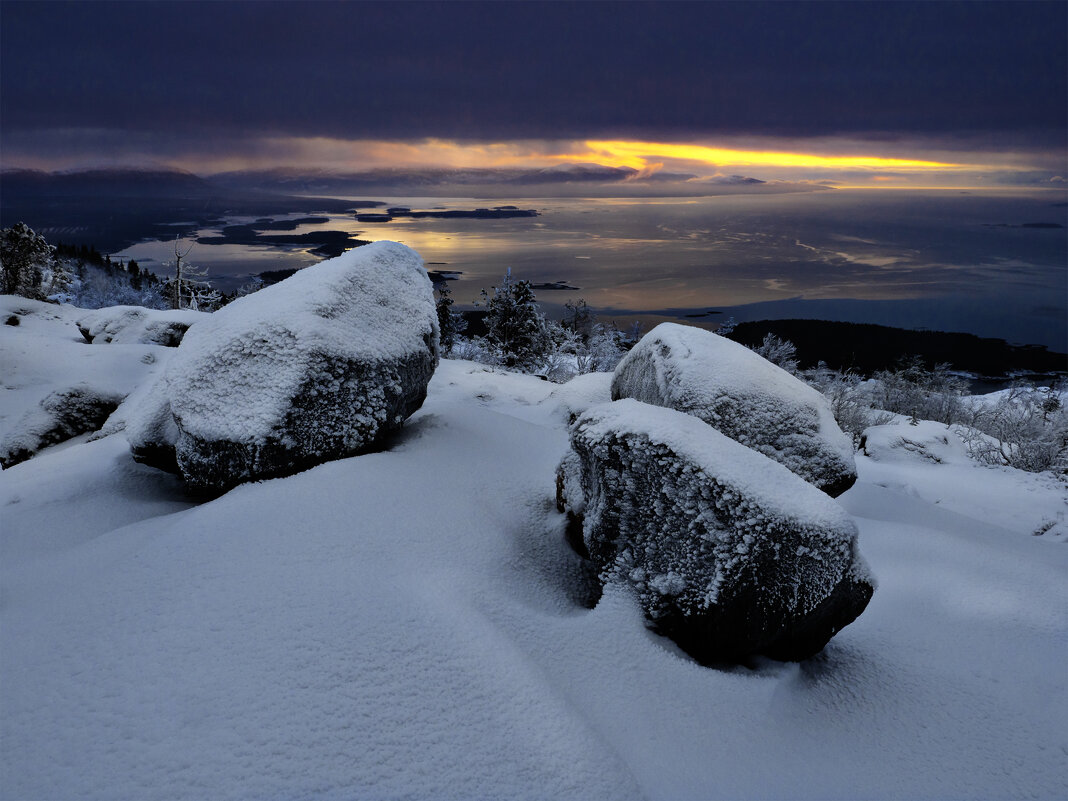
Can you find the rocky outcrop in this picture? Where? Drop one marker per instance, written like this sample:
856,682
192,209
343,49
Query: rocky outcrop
133,325
317,367
61,415
743,396
729,552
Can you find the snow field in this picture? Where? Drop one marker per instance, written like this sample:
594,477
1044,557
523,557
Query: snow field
408,624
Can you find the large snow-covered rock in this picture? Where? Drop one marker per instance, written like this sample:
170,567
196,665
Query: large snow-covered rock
730,553
137,325
317,367
743,396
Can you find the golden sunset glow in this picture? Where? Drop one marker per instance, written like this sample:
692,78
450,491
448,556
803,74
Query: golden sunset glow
640,155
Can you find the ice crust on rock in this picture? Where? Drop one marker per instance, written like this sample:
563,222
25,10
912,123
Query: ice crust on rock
741,395
131,325
729,552
317,367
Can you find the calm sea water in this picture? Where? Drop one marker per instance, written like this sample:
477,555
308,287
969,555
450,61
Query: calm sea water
945,260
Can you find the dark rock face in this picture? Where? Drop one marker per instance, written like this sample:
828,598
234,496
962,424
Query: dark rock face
319,426
741,395
64,414
729,553
322,365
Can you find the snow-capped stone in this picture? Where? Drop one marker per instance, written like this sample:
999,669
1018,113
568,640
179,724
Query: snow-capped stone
729,552
137,325
741,395
317,367
61,415
922,441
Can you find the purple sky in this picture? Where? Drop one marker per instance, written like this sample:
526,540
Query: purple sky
220,85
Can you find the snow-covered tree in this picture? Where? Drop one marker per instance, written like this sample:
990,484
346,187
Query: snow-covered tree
451,323
24,256
516,327
190,288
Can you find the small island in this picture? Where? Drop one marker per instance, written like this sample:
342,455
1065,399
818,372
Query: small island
495,213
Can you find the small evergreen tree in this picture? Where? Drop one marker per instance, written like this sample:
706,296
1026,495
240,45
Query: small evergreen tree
24,257
516,327
451,323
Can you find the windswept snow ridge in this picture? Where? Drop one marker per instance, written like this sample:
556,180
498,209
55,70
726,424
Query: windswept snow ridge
741,395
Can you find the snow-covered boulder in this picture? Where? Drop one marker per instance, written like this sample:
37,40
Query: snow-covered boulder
741,395
729,552
923,441
133,325
62,414
317,367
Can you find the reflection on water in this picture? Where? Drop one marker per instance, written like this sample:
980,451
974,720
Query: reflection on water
938,259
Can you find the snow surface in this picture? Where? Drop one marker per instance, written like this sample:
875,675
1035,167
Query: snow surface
742,395
408,624
137,325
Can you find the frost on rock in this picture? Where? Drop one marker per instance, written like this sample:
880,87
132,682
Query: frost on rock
131,325
61,415
729,552
741,395
317,367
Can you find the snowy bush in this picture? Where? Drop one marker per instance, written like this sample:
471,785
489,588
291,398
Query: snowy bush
729,552
741,395
851,399
921,394
317,367
780,352
1023,427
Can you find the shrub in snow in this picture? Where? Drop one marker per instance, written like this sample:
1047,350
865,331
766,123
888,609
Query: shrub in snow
851,399
317,367
61,415
780,352
1023,427
729,552
741,395
137,325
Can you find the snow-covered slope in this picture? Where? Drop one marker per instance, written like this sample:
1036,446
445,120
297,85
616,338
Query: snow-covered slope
409,624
